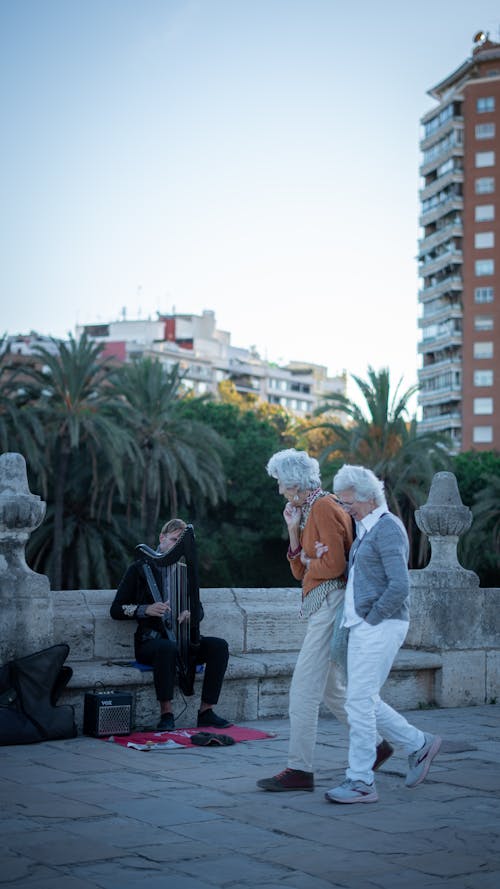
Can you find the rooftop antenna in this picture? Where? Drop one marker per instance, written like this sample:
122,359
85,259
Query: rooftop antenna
479,38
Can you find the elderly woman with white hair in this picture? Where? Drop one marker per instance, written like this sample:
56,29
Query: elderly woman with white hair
313,516
376,613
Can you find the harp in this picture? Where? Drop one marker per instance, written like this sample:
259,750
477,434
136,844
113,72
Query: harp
180,569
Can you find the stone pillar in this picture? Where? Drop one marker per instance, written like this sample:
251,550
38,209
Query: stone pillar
446,602
444,518
26,615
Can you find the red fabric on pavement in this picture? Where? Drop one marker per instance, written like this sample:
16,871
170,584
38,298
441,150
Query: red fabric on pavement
183,735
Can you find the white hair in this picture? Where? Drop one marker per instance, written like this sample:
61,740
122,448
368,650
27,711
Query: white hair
295,468
363,481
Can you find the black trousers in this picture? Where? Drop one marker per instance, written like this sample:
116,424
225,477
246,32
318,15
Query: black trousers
161,654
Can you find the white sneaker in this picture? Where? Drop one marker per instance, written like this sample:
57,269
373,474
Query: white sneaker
419,762
352,792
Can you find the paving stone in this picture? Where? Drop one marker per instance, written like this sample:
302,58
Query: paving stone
449,864
55,847
240,869
86,814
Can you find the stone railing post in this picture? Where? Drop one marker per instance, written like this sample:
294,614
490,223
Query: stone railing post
26,615
444,518
446,602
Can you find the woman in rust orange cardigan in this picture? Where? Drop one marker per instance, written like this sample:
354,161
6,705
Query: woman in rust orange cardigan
320,533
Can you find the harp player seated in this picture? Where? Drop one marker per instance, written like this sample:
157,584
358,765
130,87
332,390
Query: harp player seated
134,600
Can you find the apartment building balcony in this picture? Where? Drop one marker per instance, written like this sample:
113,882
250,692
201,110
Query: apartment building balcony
245,383
446,394
450,284
238,367
441,314
448,205
453,150
443,423
431,266
452,339
442,182
453,229
450,363
440,132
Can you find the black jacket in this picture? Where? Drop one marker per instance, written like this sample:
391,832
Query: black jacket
132,593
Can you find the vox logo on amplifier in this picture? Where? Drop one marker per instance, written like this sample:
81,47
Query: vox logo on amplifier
107,713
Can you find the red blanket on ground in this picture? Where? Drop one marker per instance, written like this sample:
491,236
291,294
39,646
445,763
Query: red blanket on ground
182,737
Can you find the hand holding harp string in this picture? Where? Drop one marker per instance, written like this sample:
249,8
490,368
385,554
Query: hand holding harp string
159,609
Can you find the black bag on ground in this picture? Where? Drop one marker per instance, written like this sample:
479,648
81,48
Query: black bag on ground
29,689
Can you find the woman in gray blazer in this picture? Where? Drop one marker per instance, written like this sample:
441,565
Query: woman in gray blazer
376,614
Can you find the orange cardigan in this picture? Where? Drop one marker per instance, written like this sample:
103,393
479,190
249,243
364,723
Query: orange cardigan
330,524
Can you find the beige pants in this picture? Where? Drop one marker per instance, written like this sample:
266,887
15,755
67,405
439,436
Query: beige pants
316,679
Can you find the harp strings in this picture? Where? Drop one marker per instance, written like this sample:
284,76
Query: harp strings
177,585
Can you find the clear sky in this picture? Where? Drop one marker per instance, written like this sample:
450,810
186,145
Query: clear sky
254,157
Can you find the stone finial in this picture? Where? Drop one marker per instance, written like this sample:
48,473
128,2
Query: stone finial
20,510
25,603
444,518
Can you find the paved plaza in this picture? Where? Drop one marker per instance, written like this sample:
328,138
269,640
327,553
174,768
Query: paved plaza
85,813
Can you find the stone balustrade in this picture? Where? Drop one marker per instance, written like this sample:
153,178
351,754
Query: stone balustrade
451,656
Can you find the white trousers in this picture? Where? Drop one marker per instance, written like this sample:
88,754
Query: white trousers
370,655
315,679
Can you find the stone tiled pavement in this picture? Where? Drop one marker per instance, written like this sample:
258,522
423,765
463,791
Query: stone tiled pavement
85,813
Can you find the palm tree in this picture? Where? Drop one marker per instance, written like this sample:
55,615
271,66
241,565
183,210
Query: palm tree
479,549
382,438
180,457
70,396
20,428
98,536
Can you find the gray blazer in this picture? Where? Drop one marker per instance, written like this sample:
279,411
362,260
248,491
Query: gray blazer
381,578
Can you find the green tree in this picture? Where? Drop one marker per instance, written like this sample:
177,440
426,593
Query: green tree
478,478
181,457
97,542
69,395
381,437
20,428
241,542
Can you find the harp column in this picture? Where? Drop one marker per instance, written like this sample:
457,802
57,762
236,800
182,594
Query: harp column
26,613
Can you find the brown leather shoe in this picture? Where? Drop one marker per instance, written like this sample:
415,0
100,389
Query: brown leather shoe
288,779
384,751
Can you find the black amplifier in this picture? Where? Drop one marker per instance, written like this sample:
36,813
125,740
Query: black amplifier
107,713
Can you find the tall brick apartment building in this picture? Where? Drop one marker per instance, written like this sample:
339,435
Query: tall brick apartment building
459,253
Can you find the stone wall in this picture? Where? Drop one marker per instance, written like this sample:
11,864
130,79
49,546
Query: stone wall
451,656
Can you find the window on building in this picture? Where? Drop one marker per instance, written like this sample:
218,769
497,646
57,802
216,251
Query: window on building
485,158
485,185
483,240
484,212
443,146
484,267
445,114
483,378
482,434
483,405
485,131
483,350
485,103
483,322
484,294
